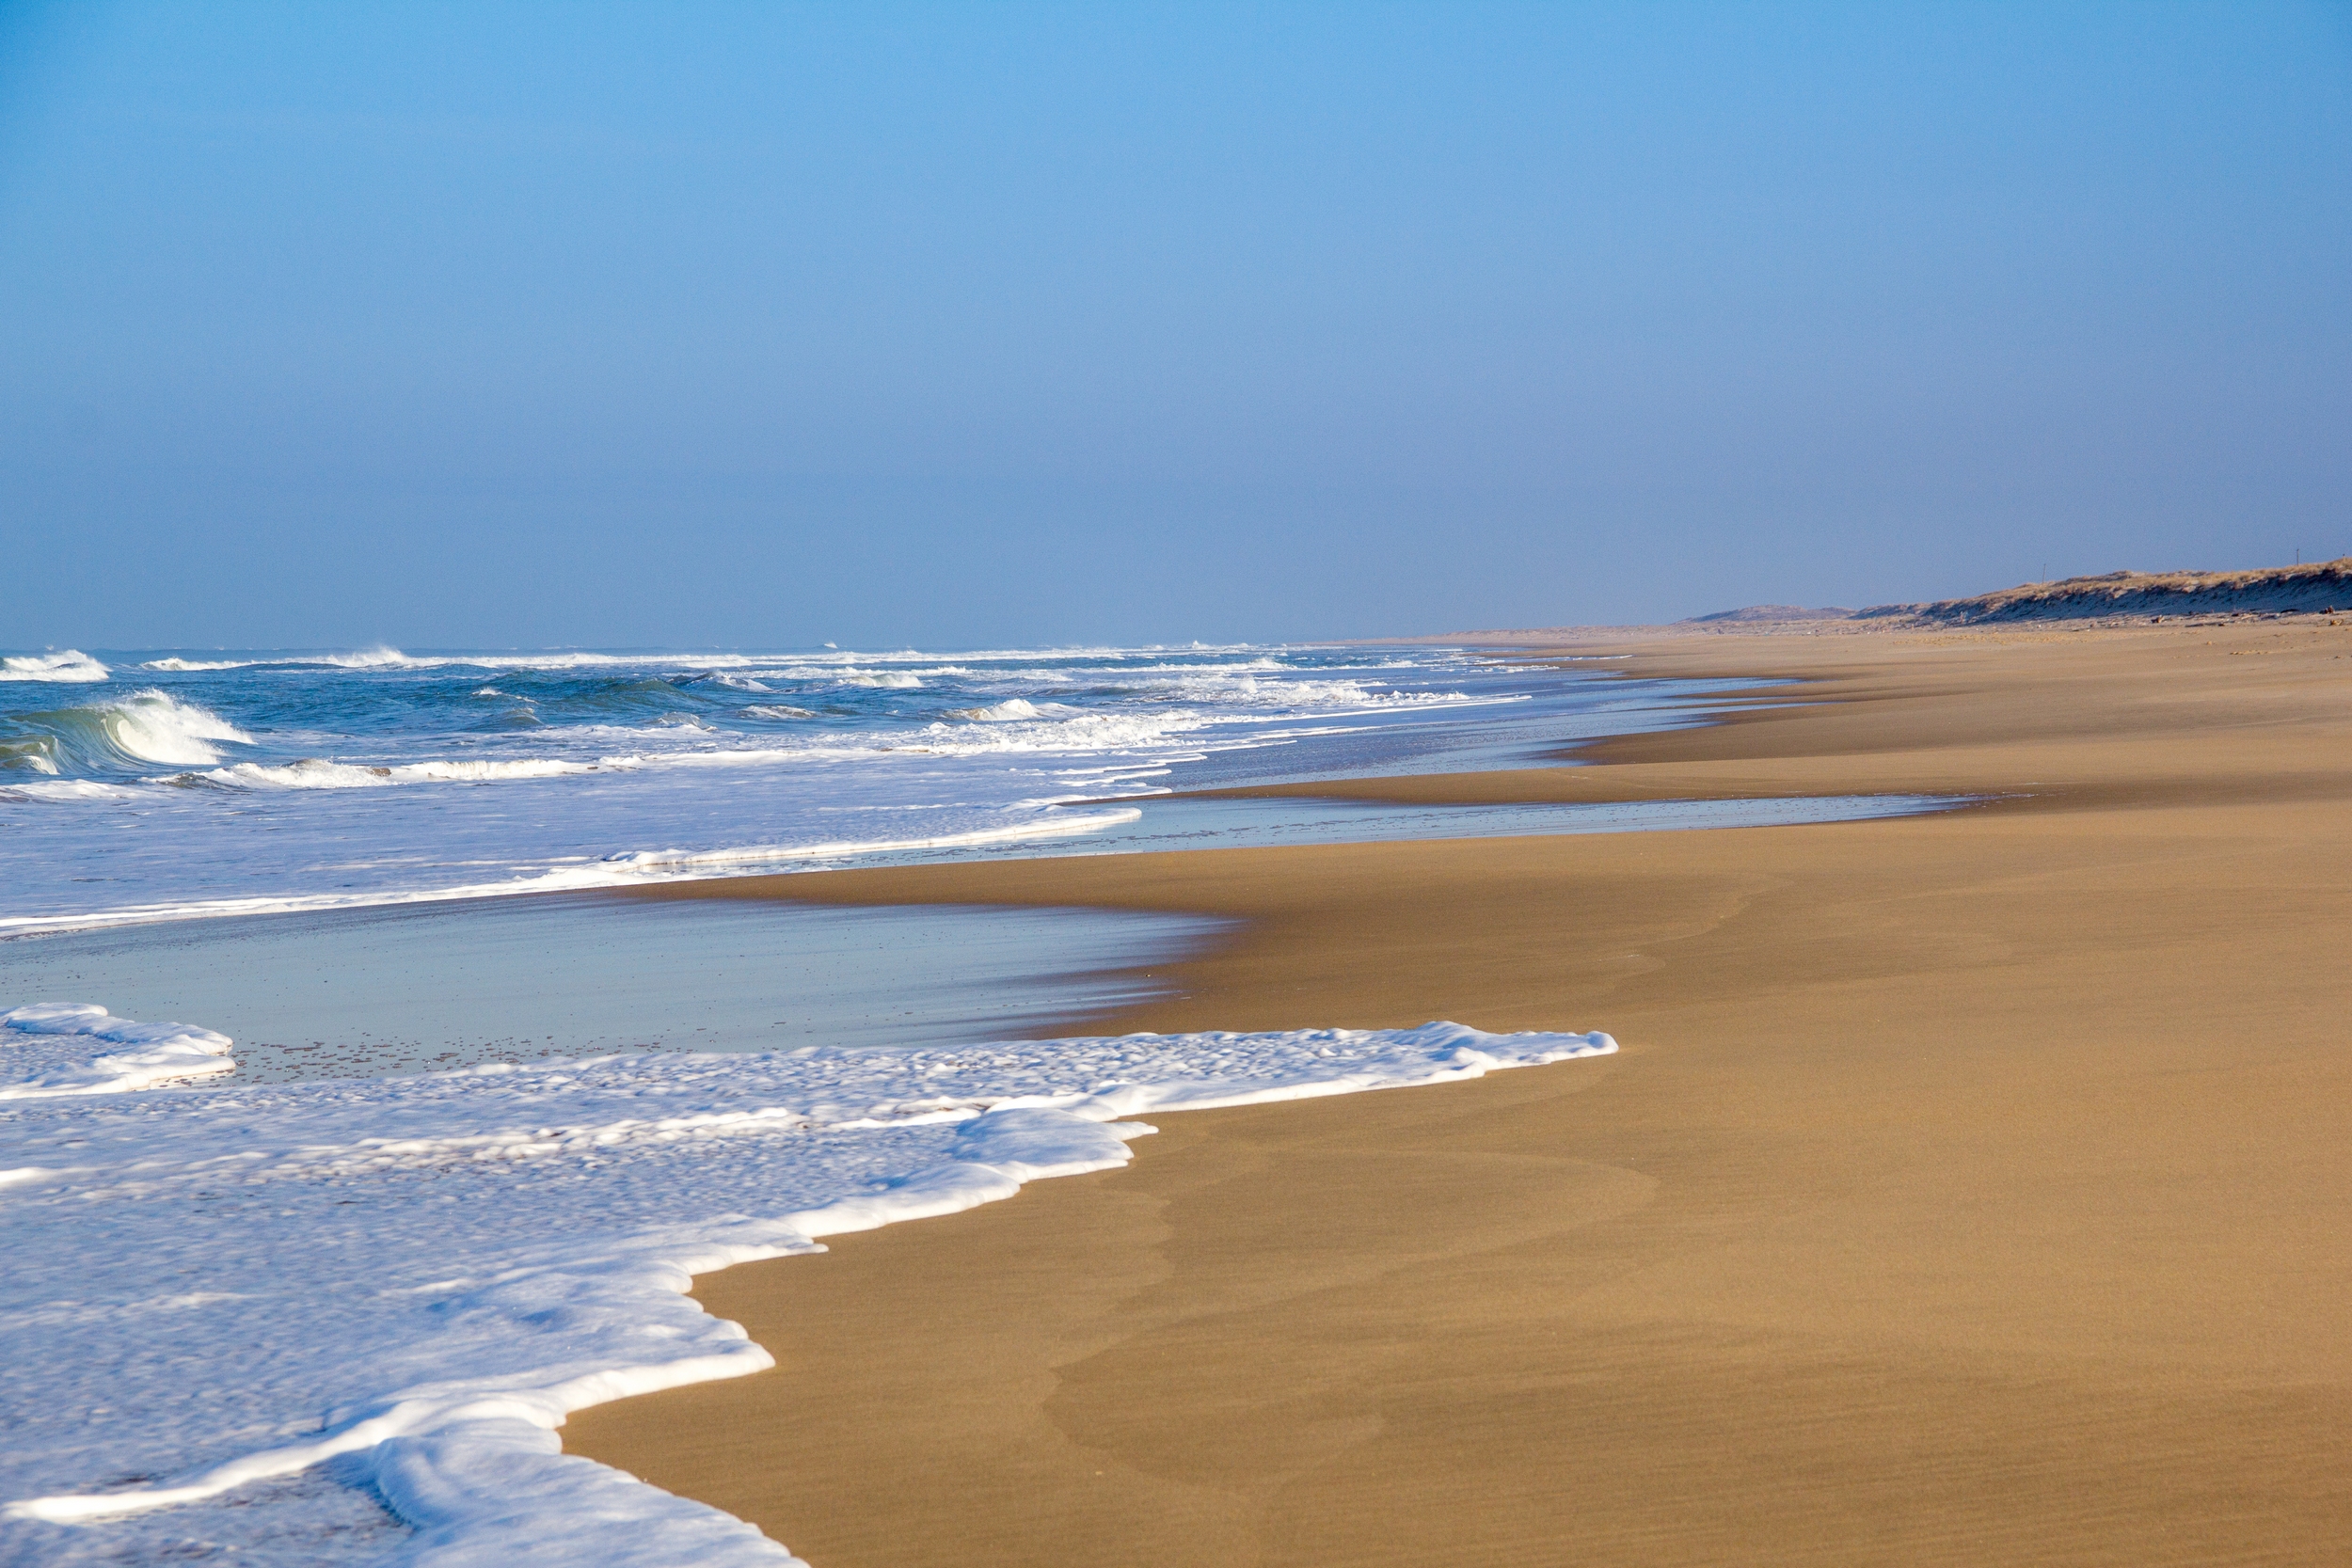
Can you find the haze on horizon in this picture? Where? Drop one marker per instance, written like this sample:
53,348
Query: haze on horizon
763,326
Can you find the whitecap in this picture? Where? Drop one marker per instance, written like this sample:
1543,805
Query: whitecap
1008,711
69,666
381,657
305,773
155,726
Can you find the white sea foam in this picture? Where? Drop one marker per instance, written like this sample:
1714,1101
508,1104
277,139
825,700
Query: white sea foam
895,680
69,666
58,1049
189,665
155,726
417,1279
65,789
776,710
1011,708
618,869
492,772
318,773
303,773
1068,825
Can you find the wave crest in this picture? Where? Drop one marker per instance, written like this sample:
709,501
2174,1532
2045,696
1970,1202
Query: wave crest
1009,711
381,657
69,666
146,726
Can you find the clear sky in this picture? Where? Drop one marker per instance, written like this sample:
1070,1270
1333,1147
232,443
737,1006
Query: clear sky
766,324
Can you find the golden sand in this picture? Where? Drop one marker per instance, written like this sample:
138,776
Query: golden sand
1971,1189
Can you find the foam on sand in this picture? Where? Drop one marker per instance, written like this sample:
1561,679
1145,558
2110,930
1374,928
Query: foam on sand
398,1289
58,1049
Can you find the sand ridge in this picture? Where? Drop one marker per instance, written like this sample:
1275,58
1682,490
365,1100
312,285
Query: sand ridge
1970,1188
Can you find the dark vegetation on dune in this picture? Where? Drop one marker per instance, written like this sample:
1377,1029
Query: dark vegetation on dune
2322,585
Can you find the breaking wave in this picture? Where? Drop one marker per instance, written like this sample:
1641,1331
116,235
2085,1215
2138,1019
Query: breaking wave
1008,711
124,731
69,666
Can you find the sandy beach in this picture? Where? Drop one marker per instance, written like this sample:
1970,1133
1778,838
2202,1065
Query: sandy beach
1970,1188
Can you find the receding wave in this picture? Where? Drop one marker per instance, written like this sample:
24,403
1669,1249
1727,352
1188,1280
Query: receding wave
71,666
1066,825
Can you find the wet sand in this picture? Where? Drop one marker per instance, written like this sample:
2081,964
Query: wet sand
1970,1189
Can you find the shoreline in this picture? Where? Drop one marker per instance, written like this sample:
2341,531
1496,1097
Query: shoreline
1943,1203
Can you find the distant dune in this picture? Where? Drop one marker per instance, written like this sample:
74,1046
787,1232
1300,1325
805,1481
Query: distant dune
1769,612
2321,585
2318,586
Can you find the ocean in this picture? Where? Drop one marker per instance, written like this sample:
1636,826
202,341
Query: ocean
333,1174
147,786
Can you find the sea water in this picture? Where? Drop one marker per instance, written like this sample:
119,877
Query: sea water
276,1296
420,987
151,786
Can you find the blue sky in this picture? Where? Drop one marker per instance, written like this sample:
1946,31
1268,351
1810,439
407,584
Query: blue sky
770,324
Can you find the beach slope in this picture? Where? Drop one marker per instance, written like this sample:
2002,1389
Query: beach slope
1970,1188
